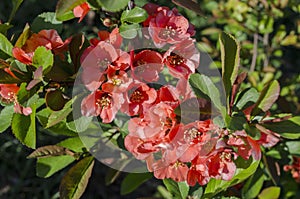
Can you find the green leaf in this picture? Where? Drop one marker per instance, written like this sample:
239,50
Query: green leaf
111,176
270,193
230,53
109,5
64,9
136,15
43,57
24,95
215,186
204,87
129,31
16,5
267,97
177,189
58,116
6,117
59,128
48,151
76,47
23,127
5,45
76,179
46,167
23,37
246,98
133,181
288,128
253,185
46,20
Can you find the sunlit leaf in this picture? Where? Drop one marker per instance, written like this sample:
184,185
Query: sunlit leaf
64,9
270,193
136,15
50,150
6,117
177,189
5,45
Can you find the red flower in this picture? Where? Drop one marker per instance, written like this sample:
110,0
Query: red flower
117,83
221,165
47,38
81,10
114,38
168,95
182,59
147,64
197,138
167,26
294,168
103,104
198,172
139,97
95,61
246,146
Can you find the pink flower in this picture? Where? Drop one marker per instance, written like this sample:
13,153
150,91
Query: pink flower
95,61
81,10
168,95
117,83
198,172
103,104
147,64
182,59
167,26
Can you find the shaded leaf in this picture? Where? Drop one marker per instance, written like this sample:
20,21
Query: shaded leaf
109,5
135,15
288,128
6,117
55,100
133,181
76,179
6,78
46,20
177,189
77,45
111,176
230,60
4,28
50,150
190,5
16,5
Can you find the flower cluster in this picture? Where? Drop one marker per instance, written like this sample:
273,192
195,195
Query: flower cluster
123,81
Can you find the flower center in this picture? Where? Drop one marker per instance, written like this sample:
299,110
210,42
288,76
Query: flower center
136,96
225,156
103,63
167,32
191,134
104,101
175,59
116,81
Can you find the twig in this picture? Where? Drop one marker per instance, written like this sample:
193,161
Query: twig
254,56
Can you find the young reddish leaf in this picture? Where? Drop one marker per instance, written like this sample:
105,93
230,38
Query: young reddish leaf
55,100
23,127
6,78
230,53
50,150
77,45
267,97
76,179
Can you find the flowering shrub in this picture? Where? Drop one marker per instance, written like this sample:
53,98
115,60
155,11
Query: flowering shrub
139,86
